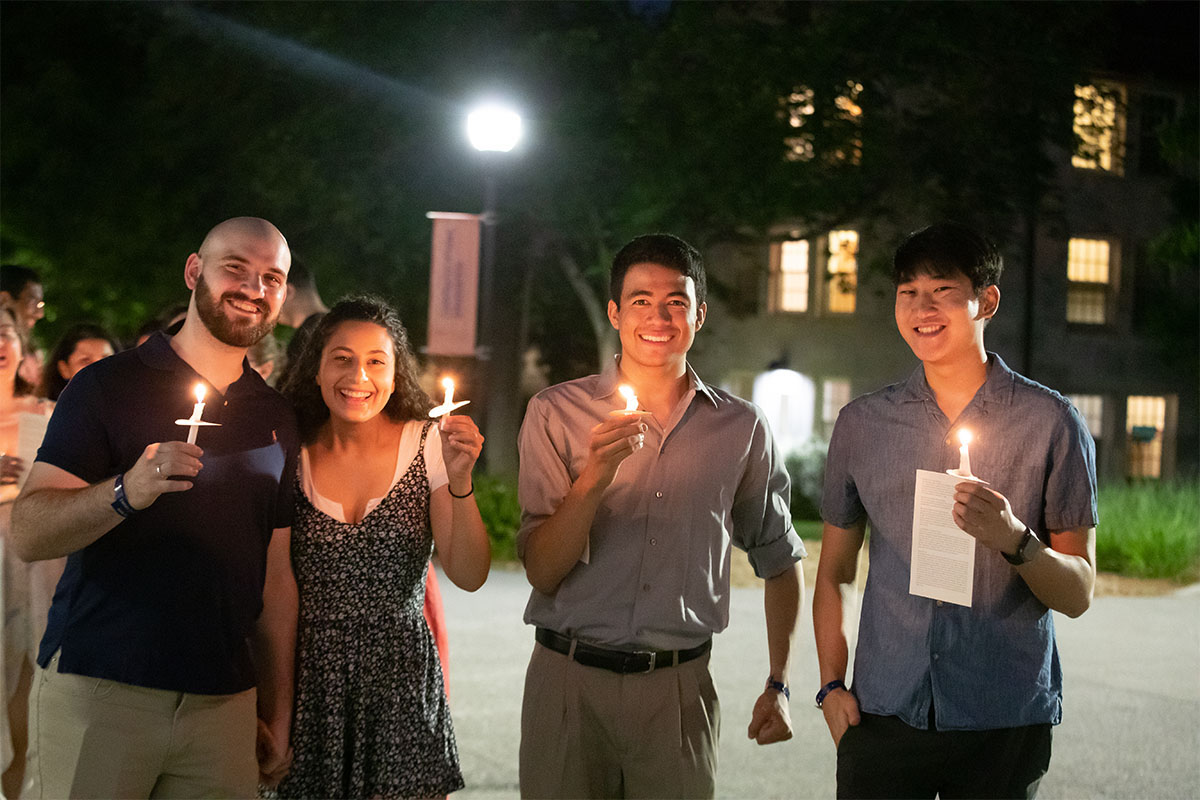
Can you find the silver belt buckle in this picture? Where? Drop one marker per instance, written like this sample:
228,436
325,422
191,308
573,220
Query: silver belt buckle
652,654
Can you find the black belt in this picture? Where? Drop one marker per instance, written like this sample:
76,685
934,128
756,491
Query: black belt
622,661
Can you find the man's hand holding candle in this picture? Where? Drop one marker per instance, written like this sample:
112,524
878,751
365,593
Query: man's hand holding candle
987,515
163,467
613,440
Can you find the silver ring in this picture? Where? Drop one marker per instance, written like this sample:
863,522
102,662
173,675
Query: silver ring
158,469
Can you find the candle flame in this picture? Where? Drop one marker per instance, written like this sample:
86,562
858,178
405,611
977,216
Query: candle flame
631,401
448,384
964,436
200,391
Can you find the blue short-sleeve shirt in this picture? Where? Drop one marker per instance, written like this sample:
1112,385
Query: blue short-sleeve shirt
168,597
995,664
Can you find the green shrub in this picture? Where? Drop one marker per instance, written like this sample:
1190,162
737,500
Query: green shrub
806,467
1150,530
497,501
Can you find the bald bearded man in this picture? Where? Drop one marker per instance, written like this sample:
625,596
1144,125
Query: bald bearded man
178,597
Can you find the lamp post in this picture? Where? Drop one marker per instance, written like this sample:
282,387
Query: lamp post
493,128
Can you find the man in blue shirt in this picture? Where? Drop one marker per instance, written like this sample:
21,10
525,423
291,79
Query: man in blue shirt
178,596
950,699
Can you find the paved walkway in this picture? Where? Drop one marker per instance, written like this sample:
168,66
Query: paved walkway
1131,724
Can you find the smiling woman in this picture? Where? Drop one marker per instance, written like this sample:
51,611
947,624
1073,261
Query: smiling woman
379,484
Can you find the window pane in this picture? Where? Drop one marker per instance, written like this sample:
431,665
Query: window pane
1145,418
843,271
1091,408
1087,304
793,279
1099,126
835,393
1088,260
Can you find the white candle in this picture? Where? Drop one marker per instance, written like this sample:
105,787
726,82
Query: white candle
449,403
631,401
194,422
197,412
964,458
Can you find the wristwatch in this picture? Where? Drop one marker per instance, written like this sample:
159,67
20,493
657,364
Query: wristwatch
1025,549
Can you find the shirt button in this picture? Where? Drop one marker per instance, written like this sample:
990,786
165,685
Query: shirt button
940,604
658,494
645,587
654,541
936,656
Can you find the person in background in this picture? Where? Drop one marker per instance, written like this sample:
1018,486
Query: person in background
21,290
379,485
166,320
264,356
25,589
81,344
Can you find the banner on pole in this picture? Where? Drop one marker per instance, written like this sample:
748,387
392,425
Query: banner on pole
453,284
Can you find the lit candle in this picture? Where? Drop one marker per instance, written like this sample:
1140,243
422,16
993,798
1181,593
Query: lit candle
448,404
194,422
964,458
631,401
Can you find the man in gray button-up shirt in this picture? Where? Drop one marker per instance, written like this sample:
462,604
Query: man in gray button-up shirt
627,523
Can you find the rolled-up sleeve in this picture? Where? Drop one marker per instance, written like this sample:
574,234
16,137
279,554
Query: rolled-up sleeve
762,519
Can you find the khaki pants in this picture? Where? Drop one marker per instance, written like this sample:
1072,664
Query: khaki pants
91,737
588,732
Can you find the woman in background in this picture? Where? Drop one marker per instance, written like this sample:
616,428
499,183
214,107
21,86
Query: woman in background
25,589
379,484
81,345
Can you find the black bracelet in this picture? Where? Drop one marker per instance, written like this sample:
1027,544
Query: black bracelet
827,688
461,496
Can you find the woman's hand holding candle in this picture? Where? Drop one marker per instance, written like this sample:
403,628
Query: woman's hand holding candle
461,445
448,404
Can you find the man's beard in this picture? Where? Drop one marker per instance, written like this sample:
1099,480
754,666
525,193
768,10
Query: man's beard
234,333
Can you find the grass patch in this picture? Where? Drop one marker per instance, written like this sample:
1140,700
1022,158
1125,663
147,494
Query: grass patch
1150,530
809,529
501,513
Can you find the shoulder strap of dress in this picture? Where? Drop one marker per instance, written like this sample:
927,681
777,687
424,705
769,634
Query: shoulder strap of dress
424,432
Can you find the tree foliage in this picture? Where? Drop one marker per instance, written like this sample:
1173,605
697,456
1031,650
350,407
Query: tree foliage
129,129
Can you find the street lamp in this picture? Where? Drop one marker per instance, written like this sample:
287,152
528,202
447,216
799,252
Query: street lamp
493,128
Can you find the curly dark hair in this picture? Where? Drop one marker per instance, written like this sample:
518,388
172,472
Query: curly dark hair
52,380
408,400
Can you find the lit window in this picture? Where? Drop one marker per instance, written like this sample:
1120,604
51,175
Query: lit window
849,114
1145,419
835,393
789,276
1091,408
800,109
843,271
1089,280
1099,127
842,127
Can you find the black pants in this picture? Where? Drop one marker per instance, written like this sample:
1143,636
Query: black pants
883,757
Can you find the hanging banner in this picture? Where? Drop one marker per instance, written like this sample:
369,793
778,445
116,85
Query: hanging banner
453,284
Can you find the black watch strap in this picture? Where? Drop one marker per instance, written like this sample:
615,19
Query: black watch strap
1022,554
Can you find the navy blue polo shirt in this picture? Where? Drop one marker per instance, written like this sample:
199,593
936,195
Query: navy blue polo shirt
168,597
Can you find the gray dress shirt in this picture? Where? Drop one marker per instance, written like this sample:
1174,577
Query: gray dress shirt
657,574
